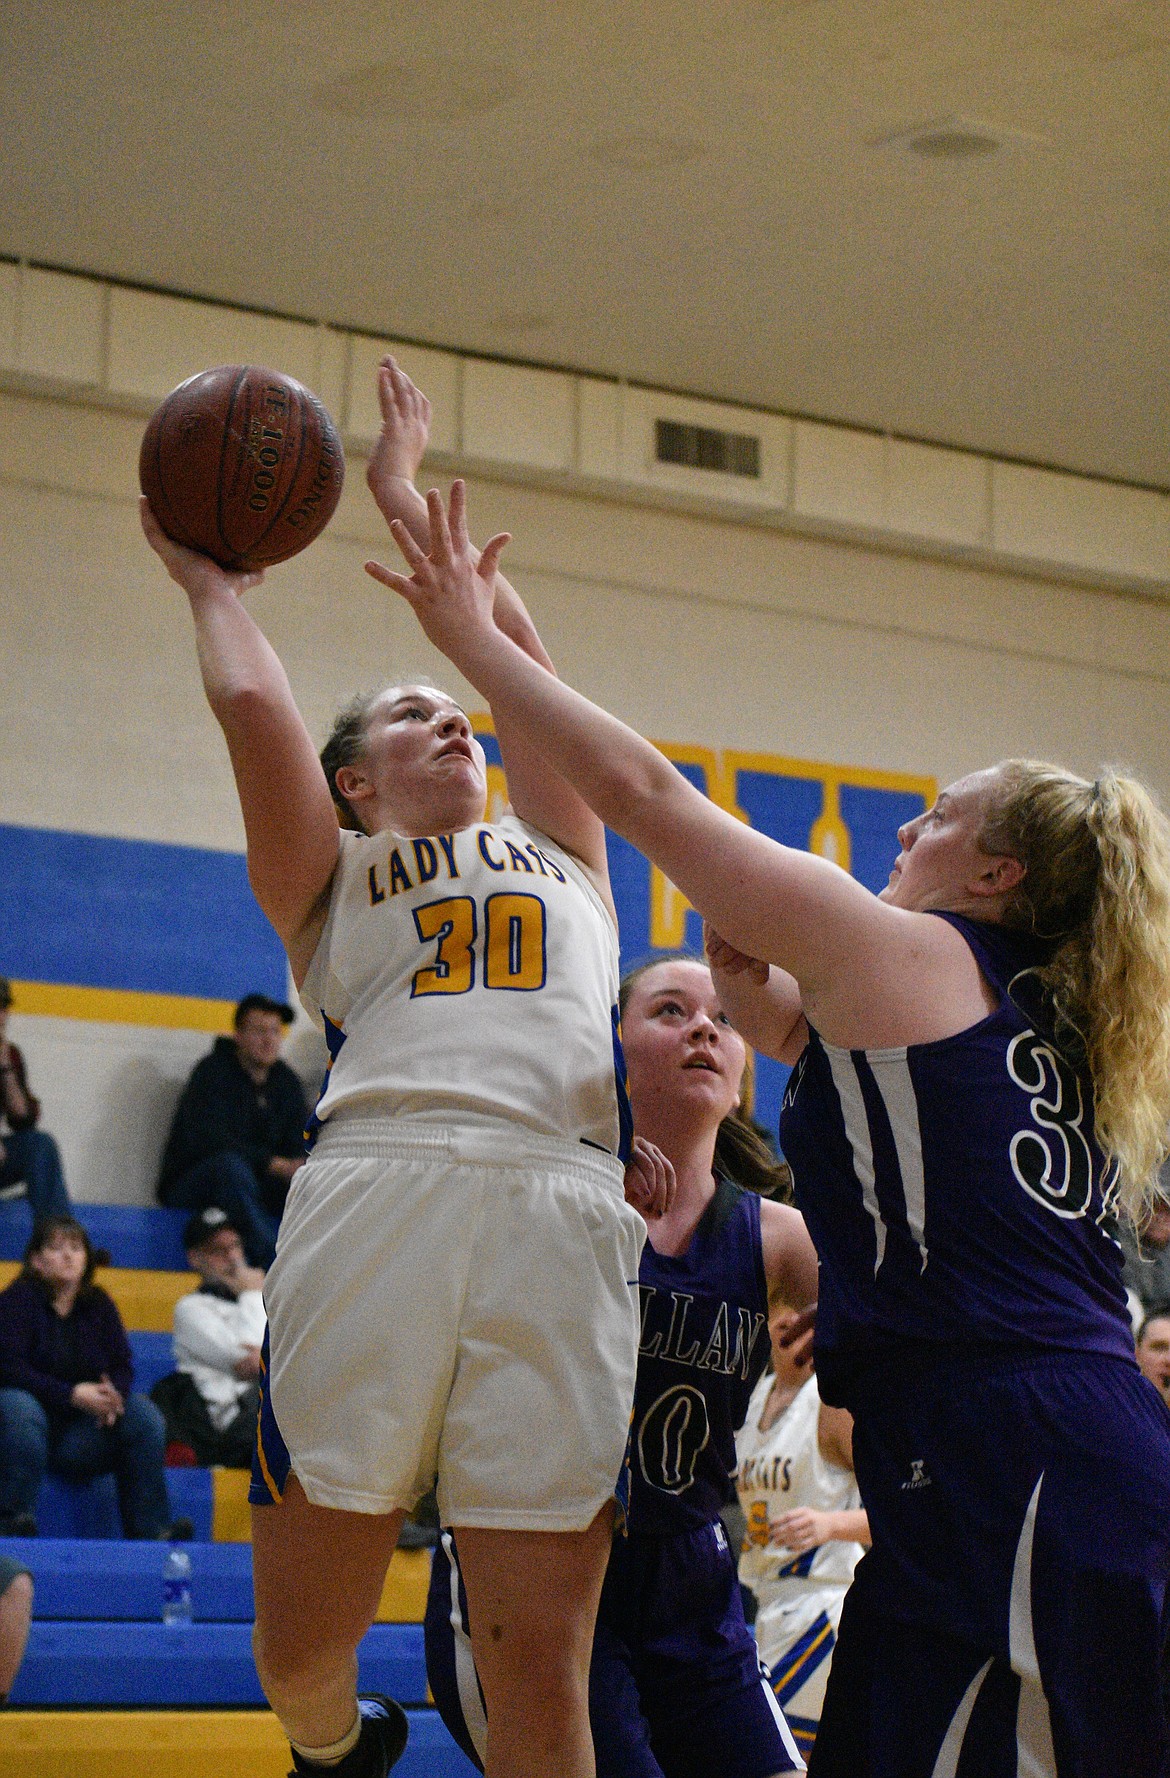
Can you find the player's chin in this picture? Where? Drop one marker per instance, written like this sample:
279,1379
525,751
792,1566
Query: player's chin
455,770
705,1081
461,765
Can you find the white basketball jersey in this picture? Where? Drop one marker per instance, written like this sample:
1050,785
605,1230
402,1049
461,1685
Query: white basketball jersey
469,975
781,1469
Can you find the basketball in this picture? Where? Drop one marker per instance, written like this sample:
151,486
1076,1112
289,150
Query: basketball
243,464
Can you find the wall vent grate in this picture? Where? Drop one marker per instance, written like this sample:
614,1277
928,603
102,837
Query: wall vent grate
702,447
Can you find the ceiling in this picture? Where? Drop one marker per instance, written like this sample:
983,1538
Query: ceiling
705,197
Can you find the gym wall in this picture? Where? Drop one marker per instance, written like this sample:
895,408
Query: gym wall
818,673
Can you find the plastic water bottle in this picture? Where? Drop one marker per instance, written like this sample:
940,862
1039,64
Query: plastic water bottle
176,1602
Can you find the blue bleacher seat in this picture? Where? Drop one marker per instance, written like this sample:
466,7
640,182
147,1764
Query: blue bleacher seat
141,1236
112,1582
153,1357
15,1227
78,1509
98,1642
159,1665
430,1752
90,1509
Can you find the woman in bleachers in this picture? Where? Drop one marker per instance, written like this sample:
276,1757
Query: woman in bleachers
66,1389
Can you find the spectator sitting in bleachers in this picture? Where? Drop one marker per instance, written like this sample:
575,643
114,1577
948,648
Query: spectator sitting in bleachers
30,1161
66,1378
212,1399
237,1136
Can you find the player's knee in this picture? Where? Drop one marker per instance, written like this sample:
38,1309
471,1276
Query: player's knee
540,1678
289,1662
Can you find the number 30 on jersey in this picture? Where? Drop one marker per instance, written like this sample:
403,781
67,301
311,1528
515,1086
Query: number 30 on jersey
512,954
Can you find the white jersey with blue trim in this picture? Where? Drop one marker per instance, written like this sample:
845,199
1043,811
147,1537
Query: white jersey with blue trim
470,975
780,1469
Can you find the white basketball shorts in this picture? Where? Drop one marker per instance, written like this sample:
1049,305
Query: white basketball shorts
453,1302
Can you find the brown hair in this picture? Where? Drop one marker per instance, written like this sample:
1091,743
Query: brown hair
344,747
44,1229
742,1150
1097,883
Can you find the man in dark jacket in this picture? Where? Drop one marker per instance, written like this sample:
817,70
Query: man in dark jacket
238,1132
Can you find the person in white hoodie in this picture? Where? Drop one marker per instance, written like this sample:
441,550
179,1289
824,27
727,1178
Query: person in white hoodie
218,1332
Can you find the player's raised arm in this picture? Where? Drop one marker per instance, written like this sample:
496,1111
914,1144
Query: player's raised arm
538,793
852,956
289,819
763,1003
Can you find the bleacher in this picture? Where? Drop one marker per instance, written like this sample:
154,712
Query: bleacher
107,1690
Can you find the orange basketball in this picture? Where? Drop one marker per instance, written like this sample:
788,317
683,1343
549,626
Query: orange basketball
243,464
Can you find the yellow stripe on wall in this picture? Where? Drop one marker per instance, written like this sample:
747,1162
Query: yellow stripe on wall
122,1006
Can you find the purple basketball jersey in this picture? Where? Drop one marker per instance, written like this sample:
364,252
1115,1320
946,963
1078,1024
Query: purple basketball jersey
955,1190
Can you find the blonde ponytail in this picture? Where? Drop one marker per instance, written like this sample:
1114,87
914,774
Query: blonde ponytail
1098,883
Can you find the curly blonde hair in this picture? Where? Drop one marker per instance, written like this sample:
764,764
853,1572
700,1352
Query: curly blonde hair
1097,861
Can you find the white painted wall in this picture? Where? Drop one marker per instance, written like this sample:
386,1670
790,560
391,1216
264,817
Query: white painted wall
693,629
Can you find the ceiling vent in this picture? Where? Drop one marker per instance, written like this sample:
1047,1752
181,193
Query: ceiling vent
702,447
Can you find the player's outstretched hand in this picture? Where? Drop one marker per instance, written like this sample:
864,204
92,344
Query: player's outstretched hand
198,575
723,956
650,1180
402,442
451,590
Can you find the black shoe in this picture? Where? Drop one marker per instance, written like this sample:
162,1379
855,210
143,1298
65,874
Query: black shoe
384,1724
181,1531
18,1525
380,1744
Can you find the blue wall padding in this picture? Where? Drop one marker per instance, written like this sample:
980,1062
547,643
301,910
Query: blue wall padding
82,1579
93,912
157,1665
